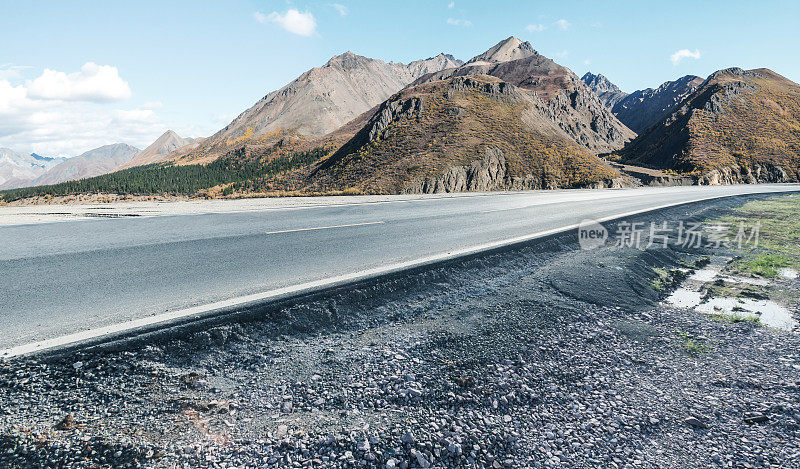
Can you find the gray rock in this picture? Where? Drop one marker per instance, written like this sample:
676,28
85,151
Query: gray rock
694,422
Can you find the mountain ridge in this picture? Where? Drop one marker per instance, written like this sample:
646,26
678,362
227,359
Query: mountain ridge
644,108
464,133
157,151
573,105
608,92
16,169
738,126
317,102
95,162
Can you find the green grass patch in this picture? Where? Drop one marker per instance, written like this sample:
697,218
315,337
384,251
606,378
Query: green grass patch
735,317
765,265
666,280
778,237
662,278
692,346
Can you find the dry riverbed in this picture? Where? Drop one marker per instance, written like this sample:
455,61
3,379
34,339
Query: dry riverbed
543,356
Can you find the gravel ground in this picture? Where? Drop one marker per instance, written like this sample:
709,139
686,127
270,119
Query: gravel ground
543,356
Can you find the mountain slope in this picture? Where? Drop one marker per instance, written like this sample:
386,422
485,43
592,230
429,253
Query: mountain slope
738,126
644,108
318,102
92,163
572,105
17,170
608,92
460,134
158,150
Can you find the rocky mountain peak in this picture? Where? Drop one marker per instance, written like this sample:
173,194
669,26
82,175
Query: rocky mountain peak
644,108
505,51
608,92
442,61
16,169
347,61
599,83
157,151
733,72
319,101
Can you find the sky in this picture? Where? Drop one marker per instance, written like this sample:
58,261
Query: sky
75,75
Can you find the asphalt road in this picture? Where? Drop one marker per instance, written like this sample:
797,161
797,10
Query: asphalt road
69,281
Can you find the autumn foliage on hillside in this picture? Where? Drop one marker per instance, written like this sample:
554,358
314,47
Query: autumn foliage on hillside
454,126
738,118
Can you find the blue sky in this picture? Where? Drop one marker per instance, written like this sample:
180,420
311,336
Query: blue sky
78,74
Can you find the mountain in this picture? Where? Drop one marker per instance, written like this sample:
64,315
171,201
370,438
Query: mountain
464,133
442,61
738,126
17,169
318,101
92,163
608,92
572,105
158,150
45,160
641,109
504,51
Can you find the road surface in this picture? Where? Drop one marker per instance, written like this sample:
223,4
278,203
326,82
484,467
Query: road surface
71,281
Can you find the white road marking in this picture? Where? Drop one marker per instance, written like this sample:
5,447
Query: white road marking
297,290
325,227
510,208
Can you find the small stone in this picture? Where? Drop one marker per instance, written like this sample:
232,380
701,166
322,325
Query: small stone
286,407
755,417
67,423
77,365
454,449
364,446
283,430
422,460
694,422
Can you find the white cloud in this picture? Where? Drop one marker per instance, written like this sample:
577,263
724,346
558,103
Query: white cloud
455,22
535,28
563,24
61,114
12,98
97,83
302,24
451,5
70,128
561,54
684,54
587,62
343,11
12,72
